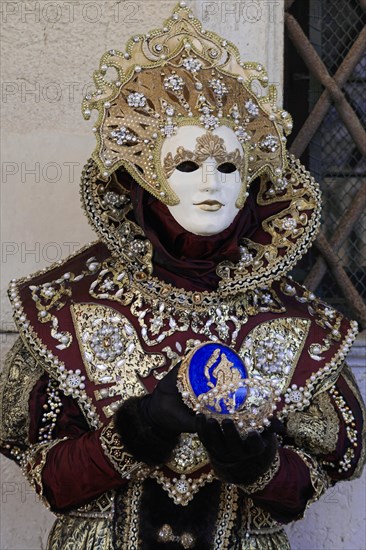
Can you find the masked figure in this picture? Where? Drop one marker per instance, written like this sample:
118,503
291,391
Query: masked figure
201,213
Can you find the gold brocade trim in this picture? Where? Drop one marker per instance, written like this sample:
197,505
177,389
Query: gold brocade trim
260,531
75,533
227,512
122,460
99,508
319,479
53,296
127,533
315,429
291,233
51,363
264,479
20,373
277,540
32,463
350,379
163,310
181,488
258,520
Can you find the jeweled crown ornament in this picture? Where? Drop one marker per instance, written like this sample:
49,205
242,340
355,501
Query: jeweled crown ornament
183,75
213,380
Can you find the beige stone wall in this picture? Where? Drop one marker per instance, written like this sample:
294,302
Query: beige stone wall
49,50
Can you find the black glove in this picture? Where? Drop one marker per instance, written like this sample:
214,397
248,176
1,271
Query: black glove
149,426
236,459
164,409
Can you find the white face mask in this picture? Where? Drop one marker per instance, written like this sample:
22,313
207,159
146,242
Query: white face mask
205,173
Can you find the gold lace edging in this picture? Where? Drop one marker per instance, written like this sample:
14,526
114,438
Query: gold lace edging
264,479
122,460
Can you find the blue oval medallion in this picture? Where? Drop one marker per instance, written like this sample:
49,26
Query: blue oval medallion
215,374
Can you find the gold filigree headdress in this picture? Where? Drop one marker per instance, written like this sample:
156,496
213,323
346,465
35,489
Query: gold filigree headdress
183,75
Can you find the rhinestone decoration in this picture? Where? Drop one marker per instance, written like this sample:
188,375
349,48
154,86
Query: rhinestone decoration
218,87
289,224
114,200
123,136
269,144
106,342
189,455
174,83
297,395
209,121
182,486
280,185
169,130
166,535
72,382
242,134
272,357
245,256
137,246
51,410
235,112
192,65
252,108
136,100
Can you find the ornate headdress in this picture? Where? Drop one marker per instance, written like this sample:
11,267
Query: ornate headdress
183,75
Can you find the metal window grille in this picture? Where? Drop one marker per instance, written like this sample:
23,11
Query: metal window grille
330,41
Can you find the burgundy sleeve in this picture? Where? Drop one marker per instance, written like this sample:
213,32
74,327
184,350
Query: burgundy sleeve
287,494
76,470
303,476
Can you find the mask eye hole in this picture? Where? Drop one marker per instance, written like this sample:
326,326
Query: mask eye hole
227,168
187,166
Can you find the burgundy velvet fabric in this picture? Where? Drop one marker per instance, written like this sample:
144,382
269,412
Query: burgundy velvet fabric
77,470
182,258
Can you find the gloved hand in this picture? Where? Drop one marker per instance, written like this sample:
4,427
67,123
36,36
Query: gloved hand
164,409
236,459
149,426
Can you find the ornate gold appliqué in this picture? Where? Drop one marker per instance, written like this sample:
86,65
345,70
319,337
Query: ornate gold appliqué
111,352
272,349
188,456
208,146
19,375
315,429
176,76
